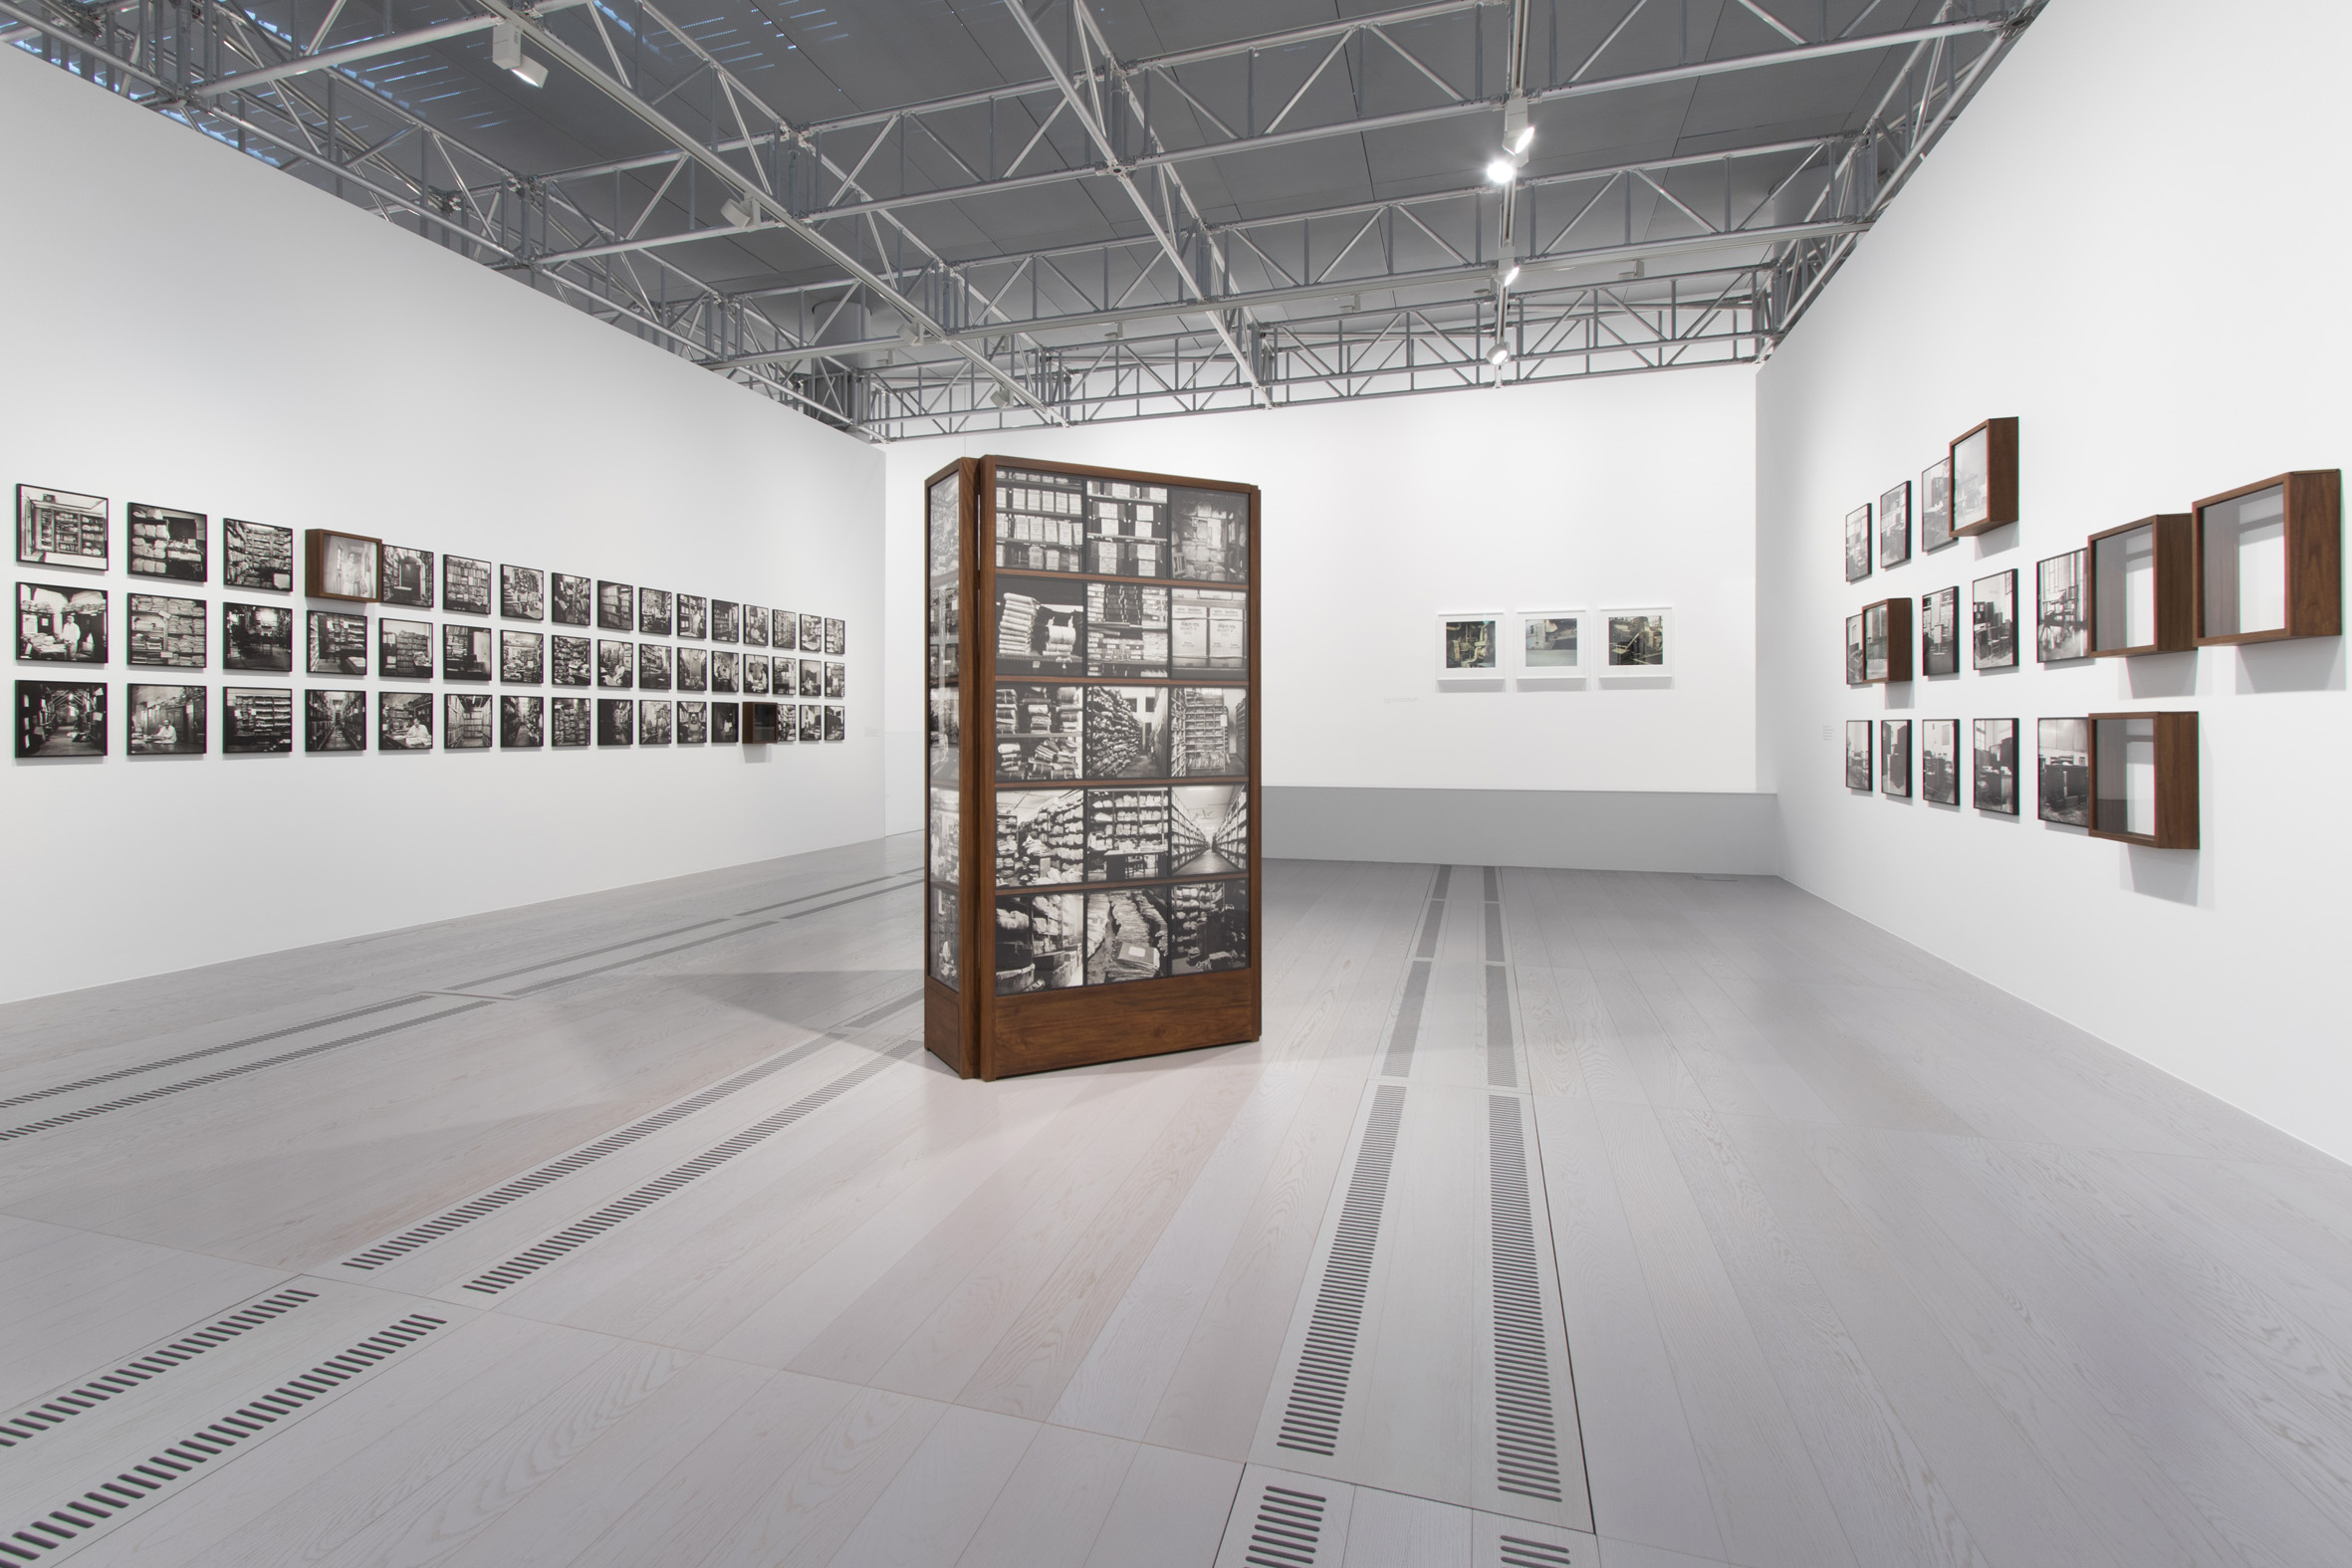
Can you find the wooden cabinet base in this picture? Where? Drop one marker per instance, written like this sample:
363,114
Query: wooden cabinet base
1046,1029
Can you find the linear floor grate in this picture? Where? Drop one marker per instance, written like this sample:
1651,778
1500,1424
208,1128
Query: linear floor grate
1319,1389
1519,1552
1527,1440
1289,1529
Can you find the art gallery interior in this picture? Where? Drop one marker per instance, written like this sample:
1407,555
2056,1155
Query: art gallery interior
1352,785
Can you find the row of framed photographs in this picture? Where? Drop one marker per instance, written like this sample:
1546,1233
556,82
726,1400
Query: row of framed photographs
2063,769
2062,631
1972,488
1051,521
1125,833
66,719
1115,630
1058,941
1050,733
1555,644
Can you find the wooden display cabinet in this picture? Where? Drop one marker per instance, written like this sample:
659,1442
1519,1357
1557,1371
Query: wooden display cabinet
1886,642
1985,478
2268,560
2144,778
2143,587
1091,741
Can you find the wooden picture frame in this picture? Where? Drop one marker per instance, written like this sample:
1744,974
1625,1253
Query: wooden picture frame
1985,478
2310,571
2140,587
2143,778
340,566
1886,642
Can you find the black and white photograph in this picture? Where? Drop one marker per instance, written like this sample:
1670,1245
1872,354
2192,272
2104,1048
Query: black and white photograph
61,625
1210,926
616,720
1875,642
1122,525
1939,762
694,669
1858,757
569,723
468,720
404,649
1207,536
1858,544
941,933
465,653
1894,525
256,555
653,613
1894,757
837,637
694,723
1995,764
655,722
173,633
616,606
813,678
571,601
522,592
811,632
726,621
571,661
1040,732
2062,625
1127,935
1041,626
812,721
522,721
1551,642
1040,835
1127,835
335,643
1939,632
256,719
1468,645
522,658
836,679
754,625
944,736
165,721
257,637
465,586
407,576
1972,479
57,527
158,542
1208,731
334,720
1935,508
694,616
1208,829
726,670
755,675
343,567
1127,631
1126,732
2062,749
1994,616
726,723
836,724
1857,662
403,721
1041,942
616,664
1208,633
653,666
1640,642
60,719
783,631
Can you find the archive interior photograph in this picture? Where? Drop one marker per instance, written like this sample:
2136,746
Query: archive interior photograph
1493,782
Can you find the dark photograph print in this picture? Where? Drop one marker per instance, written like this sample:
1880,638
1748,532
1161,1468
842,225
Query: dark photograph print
1210,922
467,719
1894,525
571,661
1995,744
837,639
726,723
1470,645
1040,732
755,675
172,633
1875,642
1939,632
334,720
694,669
726,670
726,621
836,724
1040,836
337,644
616,664
2062,628
1894,757
1939,762
616,720
408,576
616,606
522,658
1126,629
404,649
1637,642
1041,942
1857,670
256,719
521,723
570,723
1128,731
56,528
653,666
655,721
1858,544
836,679
571,601
811,633
1207,536
465,586
1126,936
164,721
653,613
694,723
813,678
522,592
694,615
784,630
61,625
1208,829
2063,751
256,555
161,543
60,719
1994,615
465,653
1935,508
812,724
754,625
257,637
1208,731
1858,758
1041,626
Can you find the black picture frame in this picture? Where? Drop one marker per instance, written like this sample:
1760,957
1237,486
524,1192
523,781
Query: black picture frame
616,606
726,620
657,721
694,616
754,625
163,542
1993,621
166,632
522,658
811,726
59,623
257,639
2061,607
1935,507
694,723
2062,771
616,665
1858,543
1856,664
653,667
616,720
1861,762
466,651
335,642
469,721
812,638
571,601
522,721
726,670
1939,762
256,721
571,723
407,576
1939,631
522,592
811,678
755,675
1894,757
837,639
726,724
63,530
653,613
404,650
465,586
836,681
256,555
60,719
694,669
1894,525
334,719
571,661
165,721
784,630
1994,765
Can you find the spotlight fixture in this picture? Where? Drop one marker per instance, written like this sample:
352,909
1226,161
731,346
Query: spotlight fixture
1510,276
506,53
738,212
1518,138
1502,171
1497,356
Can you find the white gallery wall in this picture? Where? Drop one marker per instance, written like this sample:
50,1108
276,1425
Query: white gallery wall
193,329
2129,273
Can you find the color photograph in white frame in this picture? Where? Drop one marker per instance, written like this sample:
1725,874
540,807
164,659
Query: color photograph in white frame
1634,641
1552,648
1470,646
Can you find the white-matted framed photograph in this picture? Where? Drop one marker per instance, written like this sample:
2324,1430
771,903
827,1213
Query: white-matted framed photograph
1470,645
1551,644
1636,640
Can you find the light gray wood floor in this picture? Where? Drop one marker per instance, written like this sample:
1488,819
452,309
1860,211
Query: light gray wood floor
1697,1223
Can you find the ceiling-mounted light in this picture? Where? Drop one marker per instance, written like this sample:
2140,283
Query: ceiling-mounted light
738,212
506,53
1518,134
1510,276
1497,356
1502,171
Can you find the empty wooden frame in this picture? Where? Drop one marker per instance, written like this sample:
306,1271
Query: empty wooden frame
2143,589
1985,478
2144,778
2268,560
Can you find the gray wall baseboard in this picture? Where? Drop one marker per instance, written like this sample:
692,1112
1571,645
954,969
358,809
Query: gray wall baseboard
1573,829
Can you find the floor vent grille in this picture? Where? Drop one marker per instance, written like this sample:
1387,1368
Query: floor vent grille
1319,1389
1527,1442
1407,1034
1519,1552
1289,1529
1501,1066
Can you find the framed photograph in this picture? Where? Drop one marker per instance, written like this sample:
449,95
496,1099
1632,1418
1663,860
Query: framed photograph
334,720
522,592
1858,544
164,721
57,527
403,721
1126,731
616,606
61,625
754,625
404,649
694,723
1995,742
522,721
465,586
1894,757
1208,533
616,664
163,543
653,613
837,639
694,669
1469,646
726,723
407,576
1894,525
256,719
571,601
694,616
1939,632
726,621
571,661
783,631
836,679
942,906
256,555
1041,626
2061,614
1127,835
812,721
726,670
1858,757
1985,476
755,675
257,637
616,720
465,653
1935,508
1203,634
1939,762
1208,829
811,633
811,679
653,666
1552,643
1857,665
1208,925
1886,641
1993,603
335,644
1041,942
1127,630
1639,641
522,658
1040,836
1040,732
467,721
60,719
569,723
655,722
1127,935
2062,752
1209,731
